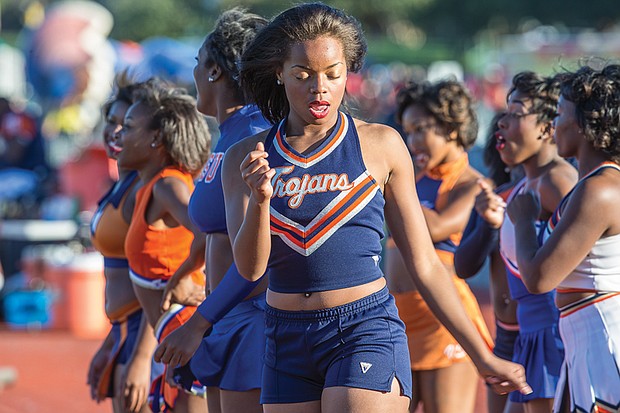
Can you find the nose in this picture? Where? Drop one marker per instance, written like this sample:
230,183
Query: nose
413,141
118,133
502,122
318,86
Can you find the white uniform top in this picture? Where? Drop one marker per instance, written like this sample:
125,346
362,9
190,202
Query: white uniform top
600,269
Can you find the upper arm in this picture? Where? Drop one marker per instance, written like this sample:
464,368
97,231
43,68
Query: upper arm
454,216
236,192
173,195
554,186
403,212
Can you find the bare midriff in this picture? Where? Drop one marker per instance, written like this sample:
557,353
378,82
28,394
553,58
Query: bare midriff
120,298
323,299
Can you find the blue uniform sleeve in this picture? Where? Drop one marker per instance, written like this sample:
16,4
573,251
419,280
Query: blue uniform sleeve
477,243
230,291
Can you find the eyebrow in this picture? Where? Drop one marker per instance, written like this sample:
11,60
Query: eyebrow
307,68
518,101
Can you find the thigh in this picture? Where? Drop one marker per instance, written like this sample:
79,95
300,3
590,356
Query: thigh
347,399
415,398
304,407
189,403
117,400
449,389
240,401
538,406
213,400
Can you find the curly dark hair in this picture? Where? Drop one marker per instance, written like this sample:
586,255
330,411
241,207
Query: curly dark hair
234,30
596,95
122,91
183,129
543,91
448,101
492,159
271,47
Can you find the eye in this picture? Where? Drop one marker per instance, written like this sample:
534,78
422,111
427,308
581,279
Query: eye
302,76
423,128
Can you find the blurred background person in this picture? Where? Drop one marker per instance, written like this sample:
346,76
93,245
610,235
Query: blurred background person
121,368
440,125
525,137
229,359
579,256
167,142
480,240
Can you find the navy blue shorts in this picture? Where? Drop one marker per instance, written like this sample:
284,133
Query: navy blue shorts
230,357
361,344
133,327
125,335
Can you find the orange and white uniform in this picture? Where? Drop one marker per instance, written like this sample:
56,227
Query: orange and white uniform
108,231
430,344
155,254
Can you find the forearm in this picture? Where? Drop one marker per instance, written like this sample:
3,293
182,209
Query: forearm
434,223
195,259
526,240
146,342
478,242
252,244
230,291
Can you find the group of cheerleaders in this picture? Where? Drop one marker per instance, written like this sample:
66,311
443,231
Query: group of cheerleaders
253,275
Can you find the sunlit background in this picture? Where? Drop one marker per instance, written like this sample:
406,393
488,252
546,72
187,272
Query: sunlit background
58,60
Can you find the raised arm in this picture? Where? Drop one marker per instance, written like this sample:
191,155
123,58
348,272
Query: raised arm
453,218
246,180
585,219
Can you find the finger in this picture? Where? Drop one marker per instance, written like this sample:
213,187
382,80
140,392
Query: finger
133,402
165,301
526,389
483,184
255,167
252,157
125,396
159,352
140,399
260,146
174,360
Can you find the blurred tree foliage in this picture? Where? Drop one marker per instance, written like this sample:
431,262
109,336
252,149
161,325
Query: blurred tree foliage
453,24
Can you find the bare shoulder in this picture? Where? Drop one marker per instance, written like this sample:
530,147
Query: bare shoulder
602,189
245,145
469,178
379,138
235,154
169,186
562,175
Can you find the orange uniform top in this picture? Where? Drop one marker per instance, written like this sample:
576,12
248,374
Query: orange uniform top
108,227
155,254
433,190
